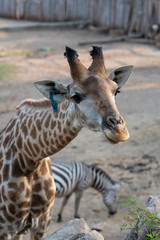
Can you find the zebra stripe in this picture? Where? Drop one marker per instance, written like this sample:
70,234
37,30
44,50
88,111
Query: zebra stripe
102,181
76,177
65,176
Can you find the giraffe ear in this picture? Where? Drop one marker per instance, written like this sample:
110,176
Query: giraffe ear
58,90
121,75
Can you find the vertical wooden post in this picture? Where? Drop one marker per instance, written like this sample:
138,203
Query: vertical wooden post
135,14
1,8
126,14
113,7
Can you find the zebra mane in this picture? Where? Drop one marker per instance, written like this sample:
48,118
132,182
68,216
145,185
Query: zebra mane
98,172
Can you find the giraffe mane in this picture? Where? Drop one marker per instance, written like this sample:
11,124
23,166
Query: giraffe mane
42,103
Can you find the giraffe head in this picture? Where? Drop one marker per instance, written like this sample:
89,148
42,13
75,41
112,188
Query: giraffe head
93,94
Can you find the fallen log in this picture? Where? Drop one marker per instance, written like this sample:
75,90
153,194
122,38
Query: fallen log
120,39
108,40
27,25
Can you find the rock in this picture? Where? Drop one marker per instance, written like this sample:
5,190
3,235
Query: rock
153,205
132,235
76,229
99,226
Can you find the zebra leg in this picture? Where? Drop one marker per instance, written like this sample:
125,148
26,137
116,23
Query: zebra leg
77,201
65,200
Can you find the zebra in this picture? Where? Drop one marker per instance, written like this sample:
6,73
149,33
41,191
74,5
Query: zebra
75,177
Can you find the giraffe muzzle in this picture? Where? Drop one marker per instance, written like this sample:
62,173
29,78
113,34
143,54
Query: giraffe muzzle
116,130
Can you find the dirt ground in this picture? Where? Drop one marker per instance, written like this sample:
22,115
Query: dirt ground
29,56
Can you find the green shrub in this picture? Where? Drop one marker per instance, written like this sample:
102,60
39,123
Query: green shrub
139,218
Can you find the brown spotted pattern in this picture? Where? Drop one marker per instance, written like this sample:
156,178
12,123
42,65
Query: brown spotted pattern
27,188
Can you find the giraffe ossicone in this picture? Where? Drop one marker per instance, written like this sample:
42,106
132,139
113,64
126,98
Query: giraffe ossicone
35,132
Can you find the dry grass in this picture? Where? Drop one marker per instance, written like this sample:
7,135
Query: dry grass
26,53
6,70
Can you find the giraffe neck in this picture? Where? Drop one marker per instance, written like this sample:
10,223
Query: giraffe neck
40,132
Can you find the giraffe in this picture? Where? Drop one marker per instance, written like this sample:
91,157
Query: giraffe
35,132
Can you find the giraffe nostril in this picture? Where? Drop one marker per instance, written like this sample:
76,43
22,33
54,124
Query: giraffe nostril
122,121
111,121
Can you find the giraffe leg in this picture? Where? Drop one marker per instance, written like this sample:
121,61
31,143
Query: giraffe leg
18,237
38,232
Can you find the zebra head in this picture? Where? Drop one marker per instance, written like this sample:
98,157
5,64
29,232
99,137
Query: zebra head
109,198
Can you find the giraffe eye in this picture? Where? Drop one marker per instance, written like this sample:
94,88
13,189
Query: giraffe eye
77,98
117,91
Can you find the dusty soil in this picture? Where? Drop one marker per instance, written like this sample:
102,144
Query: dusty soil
135,163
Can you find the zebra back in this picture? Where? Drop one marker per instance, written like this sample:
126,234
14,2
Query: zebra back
67,176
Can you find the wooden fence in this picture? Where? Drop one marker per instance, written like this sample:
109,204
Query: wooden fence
126,14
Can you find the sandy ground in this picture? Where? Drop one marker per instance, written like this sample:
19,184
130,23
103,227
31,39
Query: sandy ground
136,163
